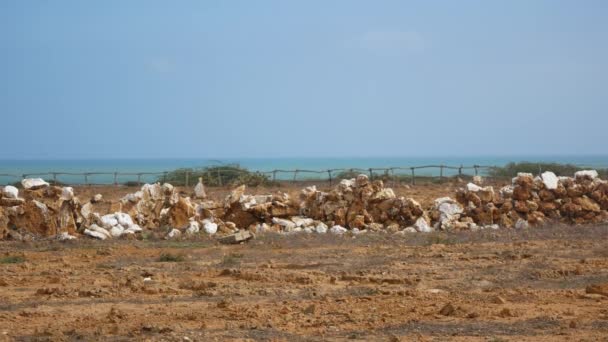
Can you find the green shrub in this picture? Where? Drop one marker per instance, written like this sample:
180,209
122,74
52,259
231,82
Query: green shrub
168,257
12,259
230,175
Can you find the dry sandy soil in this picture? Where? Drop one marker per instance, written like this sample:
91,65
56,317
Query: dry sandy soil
502,285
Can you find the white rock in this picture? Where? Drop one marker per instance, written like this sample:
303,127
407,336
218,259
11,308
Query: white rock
262,228
478,180
422,226
471,187
10,191
321,228
209,227
117,230
309,230
199,189
95,234
167,188
347,183
65,236
97,198
133,229
550,180
123,219
448,209
491,226
521,224
588,174
96,228
193,228
173,234
302,221
147,279
108,221
67,193
384,194
286,224
33,183
337,229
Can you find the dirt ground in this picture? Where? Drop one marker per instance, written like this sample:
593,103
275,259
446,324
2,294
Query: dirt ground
503,285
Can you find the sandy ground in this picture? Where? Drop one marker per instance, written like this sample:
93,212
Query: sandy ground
473,286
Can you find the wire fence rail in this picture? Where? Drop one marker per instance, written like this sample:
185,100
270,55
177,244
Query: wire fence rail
408,173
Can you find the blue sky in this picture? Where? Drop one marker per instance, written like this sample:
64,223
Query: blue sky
233,79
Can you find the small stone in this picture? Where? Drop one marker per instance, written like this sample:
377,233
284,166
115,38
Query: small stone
447,310
237,238
33,183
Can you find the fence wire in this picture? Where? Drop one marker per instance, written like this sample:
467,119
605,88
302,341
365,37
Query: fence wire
399,173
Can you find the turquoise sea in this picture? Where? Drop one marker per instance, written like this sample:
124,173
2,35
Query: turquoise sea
43,167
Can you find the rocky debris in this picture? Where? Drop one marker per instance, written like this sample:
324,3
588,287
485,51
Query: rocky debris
199,189
33,183
446,214
115,225
356,205
536,200
236,238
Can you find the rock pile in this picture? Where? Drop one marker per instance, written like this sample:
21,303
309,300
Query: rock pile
357,205
44,210
537,200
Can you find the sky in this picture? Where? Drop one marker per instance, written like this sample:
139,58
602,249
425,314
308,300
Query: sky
341,78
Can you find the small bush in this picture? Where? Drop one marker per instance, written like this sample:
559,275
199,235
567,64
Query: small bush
168,257
230,175
12,259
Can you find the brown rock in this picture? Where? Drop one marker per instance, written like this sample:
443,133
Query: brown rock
447,310
601,289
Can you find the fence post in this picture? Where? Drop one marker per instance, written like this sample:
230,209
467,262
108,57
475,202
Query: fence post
440,173
139,179
476,169
393,176
413,176
371,174
86,179
55,178
115,178
187,178
295,175
460,171
274,176
219,177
